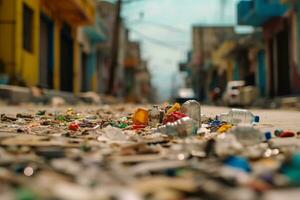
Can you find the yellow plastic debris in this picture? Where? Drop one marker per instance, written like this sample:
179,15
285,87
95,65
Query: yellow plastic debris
175,107
140,116
70,111
224,128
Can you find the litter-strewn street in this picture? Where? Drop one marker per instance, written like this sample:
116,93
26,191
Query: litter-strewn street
97,152
149,99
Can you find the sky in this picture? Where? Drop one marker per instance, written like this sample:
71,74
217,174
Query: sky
164,29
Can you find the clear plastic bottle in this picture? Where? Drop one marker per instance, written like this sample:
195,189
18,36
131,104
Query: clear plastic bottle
247,134
154,116
192,109
181,128
238,116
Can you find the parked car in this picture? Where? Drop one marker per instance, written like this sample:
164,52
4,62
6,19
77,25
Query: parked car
232,94
237,94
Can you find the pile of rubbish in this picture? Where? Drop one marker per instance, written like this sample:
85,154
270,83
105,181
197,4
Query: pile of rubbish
158,153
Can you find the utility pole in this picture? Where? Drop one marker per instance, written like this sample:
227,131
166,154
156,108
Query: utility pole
114,48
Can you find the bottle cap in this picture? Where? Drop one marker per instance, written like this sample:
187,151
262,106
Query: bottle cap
268,136
256,119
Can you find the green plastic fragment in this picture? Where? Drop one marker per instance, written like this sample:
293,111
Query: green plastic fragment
41,112
85,147
122,125
61,118
24,194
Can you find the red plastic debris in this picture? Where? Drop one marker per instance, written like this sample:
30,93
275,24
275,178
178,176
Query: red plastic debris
138,126
287,134
174,116
73,127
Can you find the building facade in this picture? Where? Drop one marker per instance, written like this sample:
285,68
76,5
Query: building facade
279,23
38,43
205,75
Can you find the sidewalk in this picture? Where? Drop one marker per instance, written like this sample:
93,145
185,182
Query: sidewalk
17,95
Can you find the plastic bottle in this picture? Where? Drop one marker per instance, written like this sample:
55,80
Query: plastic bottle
238,116
154,116
181,128
247,134
192,109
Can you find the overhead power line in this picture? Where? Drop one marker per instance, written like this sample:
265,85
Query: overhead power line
157,42
159,25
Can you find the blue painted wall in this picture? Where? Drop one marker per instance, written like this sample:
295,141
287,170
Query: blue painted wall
261,72
258,12
91,66
236,73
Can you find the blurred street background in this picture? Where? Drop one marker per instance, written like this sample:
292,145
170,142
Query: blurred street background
221,52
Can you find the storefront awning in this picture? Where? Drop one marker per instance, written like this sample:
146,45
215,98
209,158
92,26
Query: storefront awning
258,12
75,12
96,33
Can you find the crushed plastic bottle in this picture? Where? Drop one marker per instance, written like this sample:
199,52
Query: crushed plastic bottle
247,134
174,116
112,133
154,116
238,116
192,109
181,128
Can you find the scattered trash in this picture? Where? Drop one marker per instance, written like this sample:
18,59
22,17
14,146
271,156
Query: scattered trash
277,132
247,134
224,128
166,152
175,107
238,116
268,135
113,133
154,116
172,117
140,117
73,126
238,162
41,112
138,126
286,134
182,128
192,109
291,169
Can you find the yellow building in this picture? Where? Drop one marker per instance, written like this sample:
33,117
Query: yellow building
220,60
38,41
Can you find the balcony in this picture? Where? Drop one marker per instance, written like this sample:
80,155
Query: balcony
258,12
75,12
97,32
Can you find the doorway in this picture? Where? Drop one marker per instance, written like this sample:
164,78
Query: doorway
271,69
84,80
66,59
283,62
46,52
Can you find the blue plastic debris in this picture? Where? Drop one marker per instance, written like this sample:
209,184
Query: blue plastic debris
268,135
238,162
291,169
215,123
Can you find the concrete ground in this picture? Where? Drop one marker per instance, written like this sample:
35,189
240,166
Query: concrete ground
269,119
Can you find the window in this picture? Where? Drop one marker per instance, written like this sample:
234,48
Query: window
27,28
